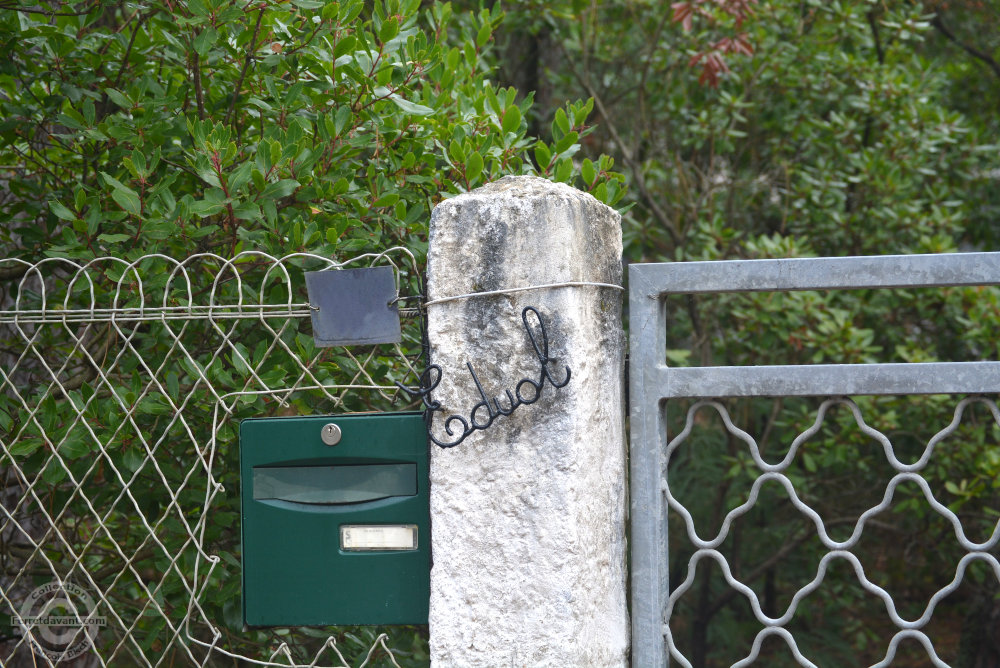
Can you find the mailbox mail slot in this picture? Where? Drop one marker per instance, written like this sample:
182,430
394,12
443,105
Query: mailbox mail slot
335,535
334,484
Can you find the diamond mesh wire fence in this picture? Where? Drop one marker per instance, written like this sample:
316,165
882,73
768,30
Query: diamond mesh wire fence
122,384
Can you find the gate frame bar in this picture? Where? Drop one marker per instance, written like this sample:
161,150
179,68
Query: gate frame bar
652,382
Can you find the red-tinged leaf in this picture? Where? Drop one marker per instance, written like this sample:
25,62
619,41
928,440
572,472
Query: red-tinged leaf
709,77
682,13
712,64
743,44
738,44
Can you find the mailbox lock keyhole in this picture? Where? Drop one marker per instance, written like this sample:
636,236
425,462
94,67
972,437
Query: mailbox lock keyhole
330,434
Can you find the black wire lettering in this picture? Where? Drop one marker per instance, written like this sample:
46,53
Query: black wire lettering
487,410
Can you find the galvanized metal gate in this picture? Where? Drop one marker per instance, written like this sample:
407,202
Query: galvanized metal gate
653,384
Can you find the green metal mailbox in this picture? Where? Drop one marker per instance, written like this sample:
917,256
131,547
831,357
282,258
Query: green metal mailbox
336,521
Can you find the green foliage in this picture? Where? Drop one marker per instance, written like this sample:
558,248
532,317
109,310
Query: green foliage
830,128
222,126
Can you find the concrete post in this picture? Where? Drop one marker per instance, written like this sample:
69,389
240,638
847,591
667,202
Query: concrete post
527,516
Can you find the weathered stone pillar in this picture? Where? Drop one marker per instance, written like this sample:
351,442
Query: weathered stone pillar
527,516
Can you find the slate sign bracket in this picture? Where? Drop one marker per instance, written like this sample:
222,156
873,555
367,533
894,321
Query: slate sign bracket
353,306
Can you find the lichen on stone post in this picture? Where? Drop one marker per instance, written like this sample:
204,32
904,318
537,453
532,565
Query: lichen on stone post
527,516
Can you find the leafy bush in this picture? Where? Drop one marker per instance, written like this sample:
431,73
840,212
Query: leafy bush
223,126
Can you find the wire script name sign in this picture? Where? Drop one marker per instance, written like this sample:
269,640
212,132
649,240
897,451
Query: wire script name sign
482,415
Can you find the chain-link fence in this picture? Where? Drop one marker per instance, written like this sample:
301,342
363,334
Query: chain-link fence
122,384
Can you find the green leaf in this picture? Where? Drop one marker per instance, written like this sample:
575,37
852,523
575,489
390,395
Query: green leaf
564,170
389,29
247,211
566,142
89,113
581,113
561,123
352,245
587,171
511,119
71,119
112,181
139,161
159,229
133,457
456,151
474,167
411,108
280,189
203,231
127,199
452,59
240,177
270,211
543,156
385,200
173,386
113,238
350,10
483,36
54,473
344,45
61,211
275,152
118,98
205,208
204,41
24,446
600,192
198,7
76,445
330,11
153,404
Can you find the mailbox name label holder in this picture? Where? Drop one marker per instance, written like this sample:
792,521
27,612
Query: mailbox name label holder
358,538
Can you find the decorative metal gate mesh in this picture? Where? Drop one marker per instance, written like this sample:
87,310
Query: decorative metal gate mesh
681,419
121,387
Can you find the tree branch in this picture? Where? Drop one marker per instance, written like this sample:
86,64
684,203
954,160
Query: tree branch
971,50
13,272
246,65
44,12
630,161
199,95
128,50
873,24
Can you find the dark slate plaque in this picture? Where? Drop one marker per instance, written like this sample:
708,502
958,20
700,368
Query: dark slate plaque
353,306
